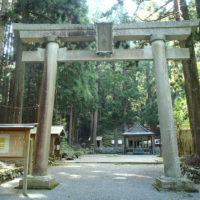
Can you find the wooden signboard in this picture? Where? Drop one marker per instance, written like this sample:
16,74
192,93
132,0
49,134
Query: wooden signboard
14,144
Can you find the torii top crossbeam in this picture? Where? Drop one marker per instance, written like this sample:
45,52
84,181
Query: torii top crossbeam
173,30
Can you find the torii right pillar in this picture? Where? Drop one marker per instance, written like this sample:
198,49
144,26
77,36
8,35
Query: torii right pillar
172,180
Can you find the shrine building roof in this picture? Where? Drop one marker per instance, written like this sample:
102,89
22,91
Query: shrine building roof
55,130
138,129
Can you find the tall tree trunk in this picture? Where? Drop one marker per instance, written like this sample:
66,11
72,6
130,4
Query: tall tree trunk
191,80
39,84
176,9
115,120
19,68
91,126
6,99
3,19
70,124
125,101
100,117
54,119
10,108
116,135
148,74
33,114
74,129
77,130
4,102
35,101
28,100
198,8
95,128
96,111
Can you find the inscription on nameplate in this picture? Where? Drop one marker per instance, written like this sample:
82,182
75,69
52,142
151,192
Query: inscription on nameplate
104,37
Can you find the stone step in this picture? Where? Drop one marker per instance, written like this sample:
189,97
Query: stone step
138,151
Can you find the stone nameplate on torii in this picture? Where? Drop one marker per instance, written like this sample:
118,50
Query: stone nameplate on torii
104,37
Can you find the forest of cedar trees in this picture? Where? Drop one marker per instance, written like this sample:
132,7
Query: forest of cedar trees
98,98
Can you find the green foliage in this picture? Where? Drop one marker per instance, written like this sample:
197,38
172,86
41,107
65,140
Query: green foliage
70,155
108,135
180,112
70,151
2,165
50,161
76,86
65,148
113,156
126,91
55,11
78,89
77,153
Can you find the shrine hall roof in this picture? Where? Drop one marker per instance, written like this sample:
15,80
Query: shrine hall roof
138,129
55,130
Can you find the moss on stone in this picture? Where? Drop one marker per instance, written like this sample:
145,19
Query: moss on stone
194,190
7,174
59,163
38,188
160,189
113,156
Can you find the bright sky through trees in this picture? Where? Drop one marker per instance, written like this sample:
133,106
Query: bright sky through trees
107,4
130,5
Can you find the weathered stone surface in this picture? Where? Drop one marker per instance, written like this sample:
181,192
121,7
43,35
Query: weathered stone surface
174,30
149,25
190,173
42,142
118,35
165,110
39,182
65,55
196,181
7,174
174,184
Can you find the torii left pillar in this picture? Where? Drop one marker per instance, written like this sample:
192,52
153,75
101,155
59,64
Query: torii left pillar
39,178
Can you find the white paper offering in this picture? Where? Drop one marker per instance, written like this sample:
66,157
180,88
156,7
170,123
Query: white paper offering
57,147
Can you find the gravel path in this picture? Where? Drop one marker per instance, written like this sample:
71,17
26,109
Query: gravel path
99,158
99,182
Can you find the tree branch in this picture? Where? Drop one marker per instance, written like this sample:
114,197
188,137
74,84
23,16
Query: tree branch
137,9
35,2
51,4
158,9
42,16
144,20
172,13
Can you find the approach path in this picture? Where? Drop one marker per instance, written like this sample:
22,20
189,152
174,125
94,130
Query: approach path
111,158
94,181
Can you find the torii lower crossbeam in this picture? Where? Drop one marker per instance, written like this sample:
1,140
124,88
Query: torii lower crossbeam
145,54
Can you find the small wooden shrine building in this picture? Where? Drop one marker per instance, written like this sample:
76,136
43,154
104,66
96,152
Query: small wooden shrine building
138,140
57,133
119,143
99,141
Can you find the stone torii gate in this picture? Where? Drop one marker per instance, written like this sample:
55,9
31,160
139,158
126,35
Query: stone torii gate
156,32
